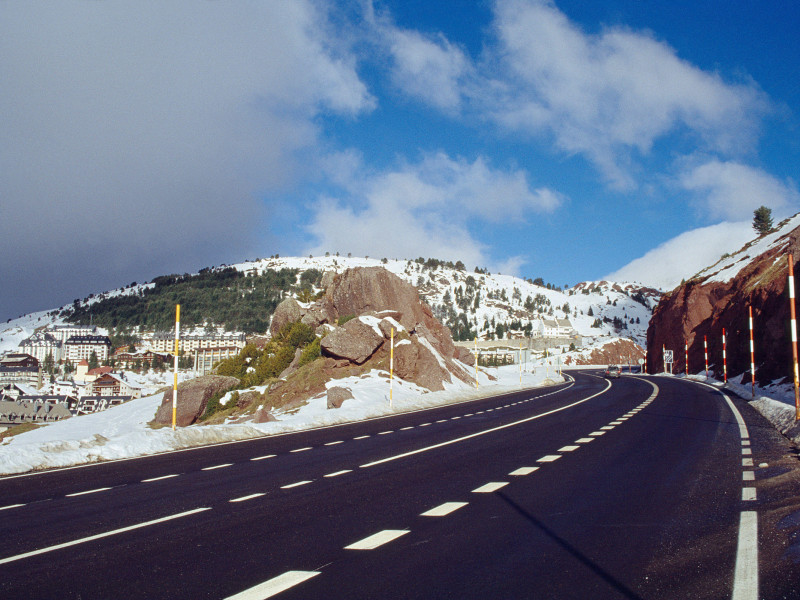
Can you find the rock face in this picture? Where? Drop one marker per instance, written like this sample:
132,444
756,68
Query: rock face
756,277
381,301
193,396
355,341
617,352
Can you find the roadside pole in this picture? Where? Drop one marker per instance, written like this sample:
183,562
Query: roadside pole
391,367
686,356
476,362
794,338
177,351
724,359
705,353
519,359
752,355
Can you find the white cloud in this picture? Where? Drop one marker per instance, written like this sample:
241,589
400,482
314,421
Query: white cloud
143,133
425,209
731,190
608,96
685,255
428,69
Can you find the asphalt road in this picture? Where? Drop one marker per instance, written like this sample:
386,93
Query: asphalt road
643,487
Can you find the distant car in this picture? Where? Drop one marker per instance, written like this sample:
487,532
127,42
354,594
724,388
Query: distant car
612,371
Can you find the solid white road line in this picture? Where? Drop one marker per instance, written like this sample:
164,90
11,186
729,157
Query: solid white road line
11,506
549,458
101,535
274,586
378,539
337,473
745,578
159,478
522,471
88,492
263,457
217,467
491,430
443,509
293,485
490,487
250,497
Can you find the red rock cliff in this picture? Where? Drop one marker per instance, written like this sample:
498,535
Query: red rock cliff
719,298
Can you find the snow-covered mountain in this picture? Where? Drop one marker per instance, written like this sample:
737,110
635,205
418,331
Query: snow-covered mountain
493,305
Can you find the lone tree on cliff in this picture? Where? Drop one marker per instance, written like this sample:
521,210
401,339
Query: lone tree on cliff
762,220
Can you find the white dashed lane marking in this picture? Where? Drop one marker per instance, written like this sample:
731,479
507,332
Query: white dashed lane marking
11,506
378,539
263,457
300,449
444,509
490,487
748,494
584,440
337,473
294,485
522,471
549,458
746,451
748,476
274,586
250,497
406,428
159,478
217,467
747,462
88,492
568,448
361,437
335,443
597,433
385,432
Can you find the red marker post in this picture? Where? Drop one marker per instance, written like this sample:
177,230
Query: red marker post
794,338
724,359
686,362
705,353
752,354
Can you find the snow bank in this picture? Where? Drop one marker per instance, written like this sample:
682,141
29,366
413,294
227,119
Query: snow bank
122,431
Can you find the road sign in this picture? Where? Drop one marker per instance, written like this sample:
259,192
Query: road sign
668,357
641,361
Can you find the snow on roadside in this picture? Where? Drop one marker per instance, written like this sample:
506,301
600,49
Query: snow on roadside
122,431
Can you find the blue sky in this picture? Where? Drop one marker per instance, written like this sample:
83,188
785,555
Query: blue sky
566,140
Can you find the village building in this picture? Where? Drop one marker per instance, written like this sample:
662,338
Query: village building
164,341
20,368
79,347
34,409
40,345
111,384
63,332
126,359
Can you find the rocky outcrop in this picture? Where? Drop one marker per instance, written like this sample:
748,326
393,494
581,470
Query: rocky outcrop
193,396
376,295
718,298
355,341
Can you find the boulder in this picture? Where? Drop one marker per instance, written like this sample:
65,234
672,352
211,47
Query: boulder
414,362
293,366
288,311
465,355
264,415
337,395
246,399
193,396
355,341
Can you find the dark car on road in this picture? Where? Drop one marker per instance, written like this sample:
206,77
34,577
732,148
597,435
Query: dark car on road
612,371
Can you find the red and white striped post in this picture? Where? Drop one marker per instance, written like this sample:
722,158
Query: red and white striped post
752,355
724,359
664,356
644,366
705,353
686,356
794,339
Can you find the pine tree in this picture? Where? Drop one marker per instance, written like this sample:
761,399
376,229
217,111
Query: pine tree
762,220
